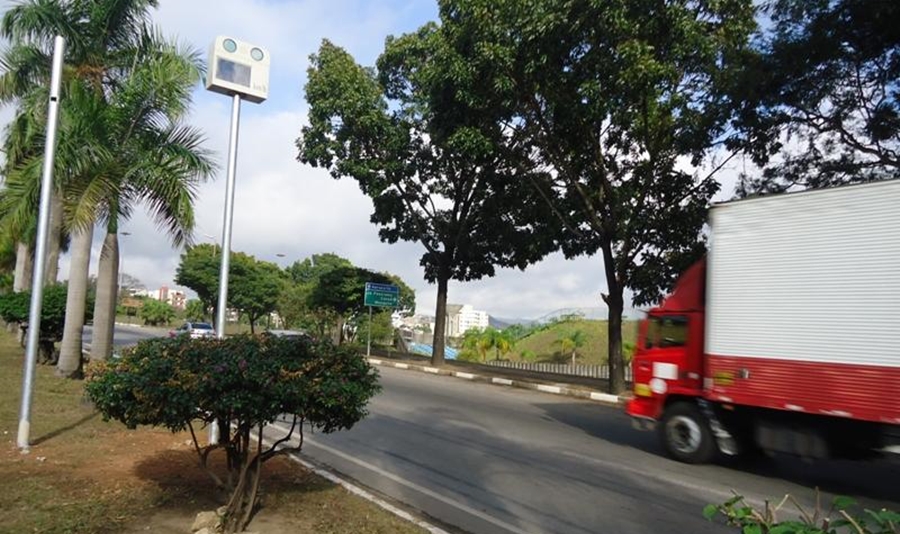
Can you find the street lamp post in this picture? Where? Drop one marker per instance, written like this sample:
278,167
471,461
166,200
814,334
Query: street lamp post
40,253
241,71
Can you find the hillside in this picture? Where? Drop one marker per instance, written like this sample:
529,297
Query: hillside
542,347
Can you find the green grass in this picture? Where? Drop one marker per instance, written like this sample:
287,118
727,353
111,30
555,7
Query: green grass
83,475
542,344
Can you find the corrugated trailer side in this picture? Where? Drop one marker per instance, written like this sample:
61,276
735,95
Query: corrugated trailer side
803,302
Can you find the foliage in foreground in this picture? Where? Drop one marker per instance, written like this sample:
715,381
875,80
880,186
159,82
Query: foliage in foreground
244,383
16,307
840,518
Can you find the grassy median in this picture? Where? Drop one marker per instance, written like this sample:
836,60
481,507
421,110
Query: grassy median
84,475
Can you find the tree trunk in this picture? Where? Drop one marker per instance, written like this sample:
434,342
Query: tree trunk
616,360
615,303
24,268
107,293
440,318
69,364
54,239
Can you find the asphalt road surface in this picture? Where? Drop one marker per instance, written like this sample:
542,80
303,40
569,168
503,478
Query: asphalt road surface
124,335
488,460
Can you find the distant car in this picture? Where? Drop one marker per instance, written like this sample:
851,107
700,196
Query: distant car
195,330
292,334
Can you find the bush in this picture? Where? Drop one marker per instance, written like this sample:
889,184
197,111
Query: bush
243,383
156,312
16,307
838,519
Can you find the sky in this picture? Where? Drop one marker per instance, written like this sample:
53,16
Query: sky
286,211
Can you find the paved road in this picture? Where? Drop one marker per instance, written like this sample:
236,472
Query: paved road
124,334
492,460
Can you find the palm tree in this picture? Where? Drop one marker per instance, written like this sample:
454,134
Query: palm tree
135,148
500,340
571,342
157,160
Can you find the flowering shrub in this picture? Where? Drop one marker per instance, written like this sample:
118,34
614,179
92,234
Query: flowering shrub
244,383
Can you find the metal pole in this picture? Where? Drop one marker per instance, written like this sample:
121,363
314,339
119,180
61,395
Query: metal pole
369,340
40,254
226,234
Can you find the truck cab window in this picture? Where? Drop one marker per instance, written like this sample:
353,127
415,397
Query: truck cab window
666,331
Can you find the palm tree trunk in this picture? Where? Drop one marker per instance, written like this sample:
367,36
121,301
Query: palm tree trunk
69,364
107,292
24,268
54,239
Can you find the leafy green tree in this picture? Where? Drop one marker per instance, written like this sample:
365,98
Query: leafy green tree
156,312
310,269
15,307
382,327
444,185
501,341
816,95
199,270
571,342
341,291
470,348
195,309
292,307
254,287
608,97
244,384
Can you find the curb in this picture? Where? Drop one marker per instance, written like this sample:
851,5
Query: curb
553,389
336,478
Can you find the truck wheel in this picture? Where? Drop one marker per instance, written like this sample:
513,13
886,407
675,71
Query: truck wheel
686,435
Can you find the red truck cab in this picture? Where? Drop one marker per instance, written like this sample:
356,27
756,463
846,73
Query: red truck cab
669,370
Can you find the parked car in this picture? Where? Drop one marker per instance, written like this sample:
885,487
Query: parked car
195,330
292,334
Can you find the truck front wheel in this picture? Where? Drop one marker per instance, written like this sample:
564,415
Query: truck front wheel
686,435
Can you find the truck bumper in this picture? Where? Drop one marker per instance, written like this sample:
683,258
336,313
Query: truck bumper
644,412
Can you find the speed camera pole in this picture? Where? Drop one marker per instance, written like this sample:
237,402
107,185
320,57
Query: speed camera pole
241,71
40,253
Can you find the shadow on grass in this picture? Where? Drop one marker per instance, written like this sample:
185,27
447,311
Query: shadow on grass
179,475
63,430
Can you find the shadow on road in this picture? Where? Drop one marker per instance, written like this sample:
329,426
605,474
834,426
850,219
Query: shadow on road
875,479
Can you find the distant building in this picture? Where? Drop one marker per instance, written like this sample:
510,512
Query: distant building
461,318
177,299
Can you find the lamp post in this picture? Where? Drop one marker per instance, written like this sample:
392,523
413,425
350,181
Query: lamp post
40,253
241,71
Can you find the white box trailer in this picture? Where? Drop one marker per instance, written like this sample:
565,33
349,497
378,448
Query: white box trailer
787,336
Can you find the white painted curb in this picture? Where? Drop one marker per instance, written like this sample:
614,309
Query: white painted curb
359,492
557,390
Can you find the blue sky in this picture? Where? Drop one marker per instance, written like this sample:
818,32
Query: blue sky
284,207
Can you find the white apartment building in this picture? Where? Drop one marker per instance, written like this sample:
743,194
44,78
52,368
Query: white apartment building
461,318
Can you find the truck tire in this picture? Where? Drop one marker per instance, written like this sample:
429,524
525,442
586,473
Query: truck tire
686,435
